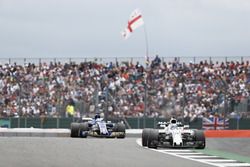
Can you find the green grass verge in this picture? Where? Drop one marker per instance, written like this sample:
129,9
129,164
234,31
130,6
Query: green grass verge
226,155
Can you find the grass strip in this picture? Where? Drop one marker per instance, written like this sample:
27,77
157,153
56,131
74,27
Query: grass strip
226,155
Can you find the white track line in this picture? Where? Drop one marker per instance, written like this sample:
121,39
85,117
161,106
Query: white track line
203,156
221,164
218,160
194,153
138,141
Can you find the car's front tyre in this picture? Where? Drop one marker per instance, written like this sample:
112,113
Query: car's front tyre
83,129
121,129
200,139
74,129
153,138
144,137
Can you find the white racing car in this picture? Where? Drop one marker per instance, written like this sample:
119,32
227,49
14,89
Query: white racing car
173,134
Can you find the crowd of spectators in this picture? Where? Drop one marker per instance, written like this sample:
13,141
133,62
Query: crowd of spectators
122,89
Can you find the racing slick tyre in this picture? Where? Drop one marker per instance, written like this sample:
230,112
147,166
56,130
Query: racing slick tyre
153,138
83,129
74,132
144,137
200,139
120,127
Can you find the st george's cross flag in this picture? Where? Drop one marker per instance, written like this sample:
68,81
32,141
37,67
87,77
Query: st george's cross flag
135,21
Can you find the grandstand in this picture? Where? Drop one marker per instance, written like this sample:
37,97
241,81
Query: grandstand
186,88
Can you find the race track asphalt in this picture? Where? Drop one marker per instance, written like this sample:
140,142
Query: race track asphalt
92,152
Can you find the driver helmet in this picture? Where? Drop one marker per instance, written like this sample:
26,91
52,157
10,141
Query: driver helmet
173,121
97,116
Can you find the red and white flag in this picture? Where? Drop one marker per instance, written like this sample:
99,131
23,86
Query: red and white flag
135,21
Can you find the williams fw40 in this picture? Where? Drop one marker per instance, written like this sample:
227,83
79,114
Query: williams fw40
97,127
173,134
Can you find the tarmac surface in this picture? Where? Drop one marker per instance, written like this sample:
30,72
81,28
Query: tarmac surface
98,152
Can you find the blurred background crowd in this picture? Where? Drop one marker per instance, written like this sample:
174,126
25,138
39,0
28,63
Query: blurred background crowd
126,89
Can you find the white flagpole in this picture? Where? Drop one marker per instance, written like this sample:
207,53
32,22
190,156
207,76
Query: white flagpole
146,44
146,78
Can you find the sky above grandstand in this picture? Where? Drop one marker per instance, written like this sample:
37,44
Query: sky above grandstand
91,28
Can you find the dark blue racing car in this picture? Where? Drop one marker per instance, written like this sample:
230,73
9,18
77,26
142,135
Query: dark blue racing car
97,127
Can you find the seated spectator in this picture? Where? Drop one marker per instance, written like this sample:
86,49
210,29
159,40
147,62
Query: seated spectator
200,89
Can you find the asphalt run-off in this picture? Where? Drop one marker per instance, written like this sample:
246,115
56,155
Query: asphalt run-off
55,151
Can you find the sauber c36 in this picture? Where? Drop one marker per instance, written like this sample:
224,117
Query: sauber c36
97,128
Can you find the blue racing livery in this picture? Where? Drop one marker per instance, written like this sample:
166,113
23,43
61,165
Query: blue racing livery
97,127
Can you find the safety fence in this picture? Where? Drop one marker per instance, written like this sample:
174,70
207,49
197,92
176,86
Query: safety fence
133,123
104,60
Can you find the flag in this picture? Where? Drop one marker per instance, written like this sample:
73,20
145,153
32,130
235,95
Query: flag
135,21
214,123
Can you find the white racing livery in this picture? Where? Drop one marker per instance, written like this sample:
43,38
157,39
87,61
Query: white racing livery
173,134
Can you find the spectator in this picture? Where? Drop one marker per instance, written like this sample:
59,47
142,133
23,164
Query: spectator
200,89
70,111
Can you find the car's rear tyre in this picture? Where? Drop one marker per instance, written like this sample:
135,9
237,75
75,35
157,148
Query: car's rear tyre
144,137
200,139
83,129
153,138
121,129
74,132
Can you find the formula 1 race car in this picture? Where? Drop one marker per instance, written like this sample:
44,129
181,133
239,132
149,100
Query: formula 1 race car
173,134
97,127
